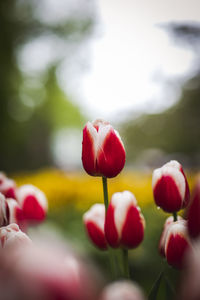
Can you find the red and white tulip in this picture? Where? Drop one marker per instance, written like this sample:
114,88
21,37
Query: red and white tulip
7,186
12,236
168,222
15,214
177,243
124,225
33,203
170,187
103,152
94,220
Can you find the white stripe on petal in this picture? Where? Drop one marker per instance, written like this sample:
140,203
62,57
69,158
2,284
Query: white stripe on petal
96,214
122,202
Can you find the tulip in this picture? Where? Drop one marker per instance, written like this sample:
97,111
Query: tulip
3,209
168,222
189,287
7,187
15,214
103,152
33,203
124,224
12,236
193,213
176,243
94,220
122,290
170,187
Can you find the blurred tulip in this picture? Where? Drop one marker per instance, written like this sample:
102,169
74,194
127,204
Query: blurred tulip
193,213
176,243
94,220
33,203
3,210
103,152
170,187
122,290
2,177
161,246
15,214
52,274
12,236
189,287
124,224
7,187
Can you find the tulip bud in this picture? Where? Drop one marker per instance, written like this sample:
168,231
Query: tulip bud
161,246
7,187
176,243
124,225
170,187
12,236
193,213
94,220
103,152
122,290
33,203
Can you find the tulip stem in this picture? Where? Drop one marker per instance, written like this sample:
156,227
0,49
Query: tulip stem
125,263
105,192
175,216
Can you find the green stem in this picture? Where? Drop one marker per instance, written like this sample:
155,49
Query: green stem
105,192
175,216
110,250
125,263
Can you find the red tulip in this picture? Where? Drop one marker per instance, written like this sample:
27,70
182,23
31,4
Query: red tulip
170,187
193,213
103,152
7,187
176,243
124,225
33,203
94,220
168,222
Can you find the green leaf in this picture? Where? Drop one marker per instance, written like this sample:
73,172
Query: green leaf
170,292
155,288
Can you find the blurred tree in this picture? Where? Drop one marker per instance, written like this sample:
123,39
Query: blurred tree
27,121
177,129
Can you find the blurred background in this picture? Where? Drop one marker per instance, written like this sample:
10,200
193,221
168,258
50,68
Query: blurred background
135,64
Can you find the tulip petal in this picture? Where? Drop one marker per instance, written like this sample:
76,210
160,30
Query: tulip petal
32,209
96,235
88,151
167,195
133,228
110,228
176,248
111,155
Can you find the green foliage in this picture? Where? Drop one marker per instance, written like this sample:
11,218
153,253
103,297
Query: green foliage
29,114
173,131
